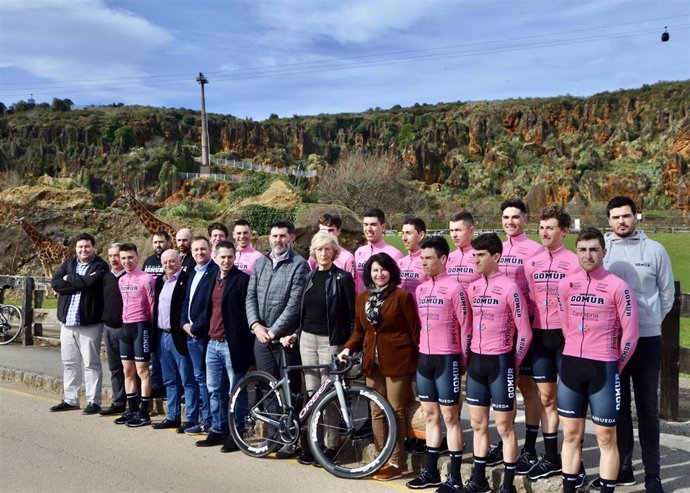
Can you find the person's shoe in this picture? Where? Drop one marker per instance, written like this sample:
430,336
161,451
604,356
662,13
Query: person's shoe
495,455
229,445
525,462
113,409
581,475
388,473
286,452
185,426
306,458
626,477
508,489
198,429
473,487
545,469
452,485
652,484
63,406
330,455
139,419
165,424
124,419
425,479
213,439
91,408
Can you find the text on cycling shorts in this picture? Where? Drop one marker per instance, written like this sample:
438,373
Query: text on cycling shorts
491,380
439,378
135,341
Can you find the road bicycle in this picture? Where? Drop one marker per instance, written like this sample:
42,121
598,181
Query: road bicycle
11,320
338,412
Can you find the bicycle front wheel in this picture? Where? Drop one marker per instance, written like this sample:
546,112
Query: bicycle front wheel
11,322
351,452
256,409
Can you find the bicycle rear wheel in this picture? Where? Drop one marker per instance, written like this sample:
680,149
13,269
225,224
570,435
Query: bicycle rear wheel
11,322
351,453
255,404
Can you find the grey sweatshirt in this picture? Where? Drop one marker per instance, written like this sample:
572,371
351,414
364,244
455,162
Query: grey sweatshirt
644,264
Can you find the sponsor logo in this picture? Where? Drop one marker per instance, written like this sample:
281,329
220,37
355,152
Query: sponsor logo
547,276
409,274
628,304
510,381
431,300
305,410
460,270
617,386
587,298
511,260
456,377
643,264
145,341
598,419
484,300
518,305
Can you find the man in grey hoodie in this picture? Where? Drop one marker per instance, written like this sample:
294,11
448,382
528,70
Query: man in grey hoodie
644,264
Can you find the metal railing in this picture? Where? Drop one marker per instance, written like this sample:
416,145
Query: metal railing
251,166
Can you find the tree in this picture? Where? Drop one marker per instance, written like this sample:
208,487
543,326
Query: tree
124,137
61,105
3,108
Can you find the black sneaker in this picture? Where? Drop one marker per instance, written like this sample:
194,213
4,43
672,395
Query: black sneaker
63,406
545,469
495,455
626,477
229,445
165,424
113,409
652,484
581,475
452,485
213,439
139,419
124,419
184,426
425,479
306,458
473,487
286,452
91,408
508,489
330,454
525,462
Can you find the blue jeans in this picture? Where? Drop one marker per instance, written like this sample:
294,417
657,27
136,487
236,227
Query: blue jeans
177,369
196,353
220,379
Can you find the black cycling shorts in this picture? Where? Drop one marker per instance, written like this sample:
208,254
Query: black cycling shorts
439,378
546,351
585,381
491,380
135,342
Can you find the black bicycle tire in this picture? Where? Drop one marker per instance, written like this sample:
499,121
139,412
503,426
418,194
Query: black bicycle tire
250,379
4,317
362,470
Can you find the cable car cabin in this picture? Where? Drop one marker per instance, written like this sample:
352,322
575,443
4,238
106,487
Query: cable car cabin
665,36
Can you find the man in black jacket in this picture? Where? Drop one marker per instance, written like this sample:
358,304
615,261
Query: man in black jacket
79,284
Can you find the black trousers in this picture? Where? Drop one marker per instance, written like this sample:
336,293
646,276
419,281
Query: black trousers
268,360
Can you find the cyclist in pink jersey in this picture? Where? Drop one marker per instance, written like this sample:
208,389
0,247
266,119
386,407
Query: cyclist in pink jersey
245,255
345,260
543,273
137,290
411,269
517,249
460,263
599,319
501,336
373,225
446,322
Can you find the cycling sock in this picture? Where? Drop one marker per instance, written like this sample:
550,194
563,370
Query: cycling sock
551,446
432,454
133,402
479,472
455,463
531,438
570,483
145,402
509,473
607,485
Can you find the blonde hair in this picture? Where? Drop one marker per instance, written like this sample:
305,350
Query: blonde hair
322,238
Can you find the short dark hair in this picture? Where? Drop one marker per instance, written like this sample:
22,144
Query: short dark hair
220,226
590,233
620,201
517,203
488,241
283,223
164,234
377,213
202,238
241,222
85,237
327,219
419,224
385,261
556,212
129,247
225,244
438,243
464,216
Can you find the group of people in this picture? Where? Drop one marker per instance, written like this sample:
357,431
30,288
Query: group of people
569,330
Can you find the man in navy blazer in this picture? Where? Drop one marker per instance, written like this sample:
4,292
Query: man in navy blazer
229,353
195,322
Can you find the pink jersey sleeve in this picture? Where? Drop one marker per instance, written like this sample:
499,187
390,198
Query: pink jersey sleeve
626,305
522,325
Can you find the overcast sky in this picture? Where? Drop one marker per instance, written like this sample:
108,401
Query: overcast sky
325,56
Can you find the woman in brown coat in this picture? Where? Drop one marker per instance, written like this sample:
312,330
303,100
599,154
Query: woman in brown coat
387,333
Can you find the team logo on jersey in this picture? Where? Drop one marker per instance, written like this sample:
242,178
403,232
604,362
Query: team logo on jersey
628,303
587,298
518,305
548,276
511,260
484,300
431,300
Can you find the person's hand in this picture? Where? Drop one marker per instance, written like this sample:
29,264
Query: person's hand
262,334
188,329
289,341
344,352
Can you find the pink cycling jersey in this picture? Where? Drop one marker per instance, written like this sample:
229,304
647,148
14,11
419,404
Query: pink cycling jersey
245,258
364,253
461,266
345,260
136,288
598,308
498,310
445,317
516,251
543,273
411,272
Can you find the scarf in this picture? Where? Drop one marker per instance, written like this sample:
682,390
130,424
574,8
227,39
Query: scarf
372,308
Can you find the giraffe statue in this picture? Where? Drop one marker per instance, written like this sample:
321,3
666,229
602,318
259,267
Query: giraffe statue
49,251
150,222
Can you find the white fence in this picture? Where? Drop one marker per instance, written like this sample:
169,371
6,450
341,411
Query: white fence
251,166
